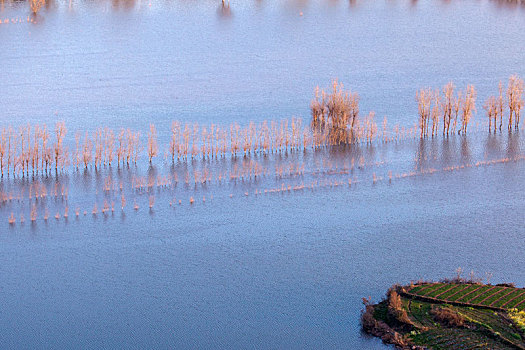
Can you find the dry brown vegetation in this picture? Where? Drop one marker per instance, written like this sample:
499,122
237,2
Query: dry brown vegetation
335,117
395,308
515,100
450,109
30,150
381,329
152,143
34,150
447,317
495,105
336,120
36,5
457,109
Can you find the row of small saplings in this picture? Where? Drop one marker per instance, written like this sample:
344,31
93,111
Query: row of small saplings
30,150
108,207
335,120
34,149
454,110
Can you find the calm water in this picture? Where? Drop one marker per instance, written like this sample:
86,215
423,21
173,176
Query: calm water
243,269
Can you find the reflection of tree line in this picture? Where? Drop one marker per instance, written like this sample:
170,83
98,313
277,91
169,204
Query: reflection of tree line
291,173
509,3
432,150
224,9
114,190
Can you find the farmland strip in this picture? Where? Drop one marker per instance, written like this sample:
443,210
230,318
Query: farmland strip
459,291
469,293
491,295
437,289
480,295
503,296
443,292
473,287
422,288
517,296
431,288
518,304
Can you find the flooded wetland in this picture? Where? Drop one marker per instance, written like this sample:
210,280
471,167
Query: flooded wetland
183,174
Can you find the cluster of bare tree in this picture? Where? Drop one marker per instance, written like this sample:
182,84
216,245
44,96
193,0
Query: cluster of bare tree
102,147
36,5
450,108
455,111
35,150
495,106
335,117
337,111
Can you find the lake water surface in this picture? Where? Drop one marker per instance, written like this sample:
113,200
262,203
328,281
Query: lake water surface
275,261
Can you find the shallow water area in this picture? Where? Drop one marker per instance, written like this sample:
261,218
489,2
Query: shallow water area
267,250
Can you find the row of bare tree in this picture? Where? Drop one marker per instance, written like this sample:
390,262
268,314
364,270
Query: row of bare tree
31,149
495,106
450,108
335,121
455,110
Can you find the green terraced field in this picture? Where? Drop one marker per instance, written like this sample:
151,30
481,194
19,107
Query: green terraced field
456,339
473,294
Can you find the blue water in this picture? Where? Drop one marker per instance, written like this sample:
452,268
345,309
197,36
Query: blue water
239,269
99,61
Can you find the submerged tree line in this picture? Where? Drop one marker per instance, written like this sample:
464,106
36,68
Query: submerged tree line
454,110
337,113
336,120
